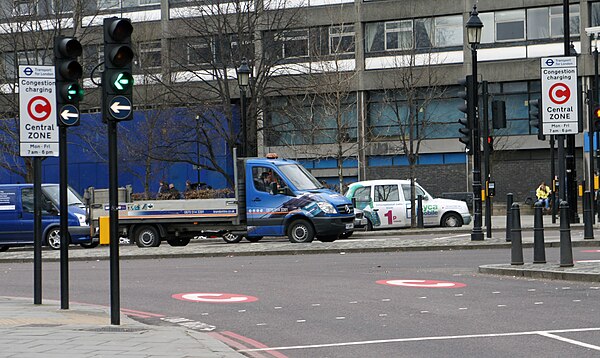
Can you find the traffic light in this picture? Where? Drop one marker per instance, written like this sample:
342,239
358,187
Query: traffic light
535,119
490,143
68,71
117,80
596,120
468,109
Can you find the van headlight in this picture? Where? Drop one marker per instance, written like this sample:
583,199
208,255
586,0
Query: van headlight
81,219
326,207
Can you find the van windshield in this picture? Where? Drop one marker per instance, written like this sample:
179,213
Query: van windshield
301,178
53,193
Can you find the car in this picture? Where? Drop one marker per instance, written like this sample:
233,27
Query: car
385,203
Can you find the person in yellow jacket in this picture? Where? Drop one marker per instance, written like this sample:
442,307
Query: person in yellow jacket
542,193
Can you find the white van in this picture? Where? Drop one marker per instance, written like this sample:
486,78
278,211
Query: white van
386,204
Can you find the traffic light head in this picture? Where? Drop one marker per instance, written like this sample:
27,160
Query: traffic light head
596,120
466,134
68,71
117,80
467,107
534,117
490,143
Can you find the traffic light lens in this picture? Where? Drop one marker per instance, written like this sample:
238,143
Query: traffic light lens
122,81
122,56
120,29
597,112
73,92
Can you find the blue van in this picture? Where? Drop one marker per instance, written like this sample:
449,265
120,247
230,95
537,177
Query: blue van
284,199
16,217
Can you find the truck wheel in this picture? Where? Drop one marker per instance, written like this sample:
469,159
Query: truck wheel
254,238
301,231
179,241
147,236
3,248
90,245
232,238
327,238
451,220
53,238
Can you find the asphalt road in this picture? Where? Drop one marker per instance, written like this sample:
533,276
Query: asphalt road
336,305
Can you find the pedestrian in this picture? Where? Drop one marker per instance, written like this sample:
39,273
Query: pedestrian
173,192
163,188
542,193
189,186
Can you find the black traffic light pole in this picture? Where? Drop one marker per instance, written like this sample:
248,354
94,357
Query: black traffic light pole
68,94
117,83
486,156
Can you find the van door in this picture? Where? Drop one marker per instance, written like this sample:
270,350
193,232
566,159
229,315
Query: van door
390,208
10,216
265,207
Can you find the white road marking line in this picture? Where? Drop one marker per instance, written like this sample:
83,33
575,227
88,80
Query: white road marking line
458,295
386,300
568,340
501,305
340,318
421,339
300,320
316,304
531,290
450,237
576,300
538,303
463,308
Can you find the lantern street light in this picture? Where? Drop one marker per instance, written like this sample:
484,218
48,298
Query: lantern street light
474,27
243,77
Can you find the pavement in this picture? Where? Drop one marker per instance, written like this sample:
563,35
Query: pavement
46,330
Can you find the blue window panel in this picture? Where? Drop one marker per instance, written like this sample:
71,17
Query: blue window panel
350,163
455,158
428,159
325,164
379,161
400,160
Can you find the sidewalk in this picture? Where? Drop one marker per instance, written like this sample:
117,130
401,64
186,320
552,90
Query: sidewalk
28,330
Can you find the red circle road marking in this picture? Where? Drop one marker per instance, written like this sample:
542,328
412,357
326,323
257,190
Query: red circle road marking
39,108
559,93
422,283
590,250
214,297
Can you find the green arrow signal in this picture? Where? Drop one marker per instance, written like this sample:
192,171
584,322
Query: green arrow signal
122,81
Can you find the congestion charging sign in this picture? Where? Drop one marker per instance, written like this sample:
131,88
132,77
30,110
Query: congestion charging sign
37,115
559,96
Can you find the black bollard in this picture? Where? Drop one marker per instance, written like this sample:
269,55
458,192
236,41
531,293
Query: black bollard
420,211
588,216
566,251
509,202
516,251
539,252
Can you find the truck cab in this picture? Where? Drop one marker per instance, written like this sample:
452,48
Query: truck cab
285,199
17,217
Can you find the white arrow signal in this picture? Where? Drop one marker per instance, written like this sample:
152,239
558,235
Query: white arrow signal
117,107
66,114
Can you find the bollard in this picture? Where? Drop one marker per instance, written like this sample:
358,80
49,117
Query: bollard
588,216
516,247
566,251
539,253
420,211
509,202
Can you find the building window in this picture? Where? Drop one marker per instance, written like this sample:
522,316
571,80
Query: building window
398,35
448,31
510,25
149,55
24,7
291,43
116,4
341,39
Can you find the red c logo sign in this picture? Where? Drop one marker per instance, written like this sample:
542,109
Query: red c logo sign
559,93
39,108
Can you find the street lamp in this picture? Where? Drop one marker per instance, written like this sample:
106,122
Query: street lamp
474,27
243,77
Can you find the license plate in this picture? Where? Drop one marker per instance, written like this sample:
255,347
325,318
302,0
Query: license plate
349,226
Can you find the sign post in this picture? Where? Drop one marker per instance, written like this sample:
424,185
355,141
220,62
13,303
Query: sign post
38,134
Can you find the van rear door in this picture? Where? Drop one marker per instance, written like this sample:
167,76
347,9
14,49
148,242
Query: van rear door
10,216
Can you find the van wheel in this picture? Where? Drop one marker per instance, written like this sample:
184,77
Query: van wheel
232,238
254,238
90,245
3,248
179,241
301,231
369,226
147,236
451,220
53,238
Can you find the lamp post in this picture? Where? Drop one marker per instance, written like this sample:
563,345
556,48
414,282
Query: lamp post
243,77
474,27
